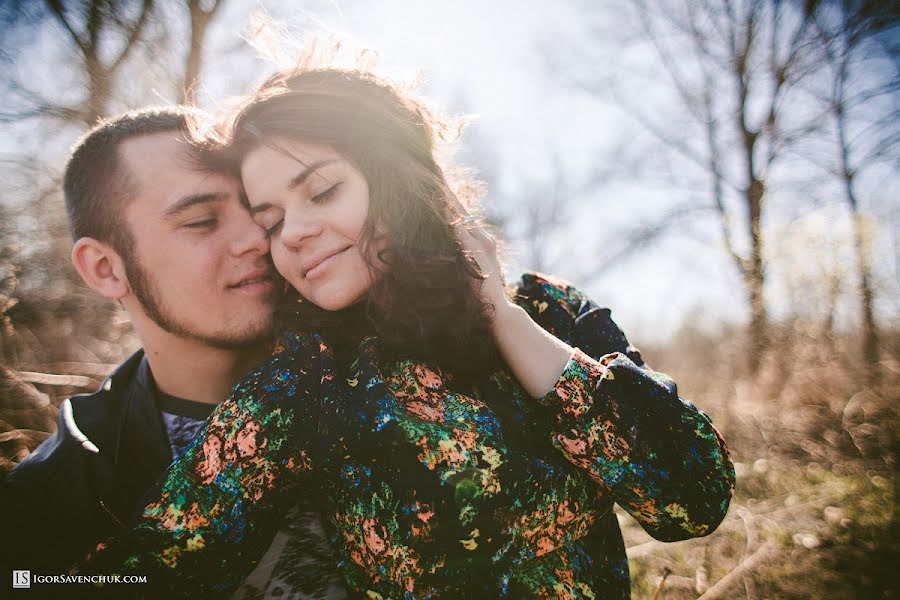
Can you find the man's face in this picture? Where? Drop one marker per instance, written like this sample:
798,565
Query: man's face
197,264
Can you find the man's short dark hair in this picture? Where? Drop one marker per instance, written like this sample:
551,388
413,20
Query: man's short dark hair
96,182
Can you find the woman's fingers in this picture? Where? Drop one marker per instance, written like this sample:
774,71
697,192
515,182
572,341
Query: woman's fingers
459,208
482,246
477,241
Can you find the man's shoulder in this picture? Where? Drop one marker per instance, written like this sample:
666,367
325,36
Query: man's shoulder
97,409
53,494
83,420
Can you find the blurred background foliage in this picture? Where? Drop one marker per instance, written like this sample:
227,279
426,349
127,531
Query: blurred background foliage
744,195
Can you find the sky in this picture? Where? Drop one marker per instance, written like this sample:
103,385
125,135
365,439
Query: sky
505,64
490,60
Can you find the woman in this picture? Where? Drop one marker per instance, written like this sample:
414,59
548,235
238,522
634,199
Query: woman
461,437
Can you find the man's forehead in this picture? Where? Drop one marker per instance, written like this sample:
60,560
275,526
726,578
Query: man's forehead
164,169
152,155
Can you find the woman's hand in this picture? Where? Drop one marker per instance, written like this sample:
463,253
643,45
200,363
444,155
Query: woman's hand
481,245
535,357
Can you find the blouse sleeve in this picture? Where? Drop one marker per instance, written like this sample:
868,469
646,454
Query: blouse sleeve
215,511
656,454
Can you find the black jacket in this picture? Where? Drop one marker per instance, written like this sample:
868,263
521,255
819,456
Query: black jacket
87,481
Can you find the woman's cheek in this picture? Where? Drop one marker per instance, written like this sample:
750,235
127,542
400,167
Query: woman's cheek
284,264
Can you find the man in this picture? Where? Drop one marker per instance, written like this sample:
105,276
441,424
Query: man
169,238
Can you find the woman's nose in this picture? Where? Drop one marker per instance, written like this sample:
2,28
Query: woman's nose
298,226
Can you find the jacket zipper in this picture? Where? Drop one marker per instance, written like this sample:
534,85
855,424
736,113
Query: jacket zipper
112,515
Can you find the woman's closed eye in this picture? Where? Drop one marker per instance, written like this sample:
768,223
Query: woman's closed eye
326,195
272,227
269,218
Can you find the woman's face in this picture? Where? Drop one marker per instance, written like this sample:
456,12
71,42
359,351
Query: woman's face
313,204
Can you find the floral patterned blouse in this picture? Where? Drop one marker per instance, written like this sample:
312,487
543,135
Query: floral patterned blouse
432,487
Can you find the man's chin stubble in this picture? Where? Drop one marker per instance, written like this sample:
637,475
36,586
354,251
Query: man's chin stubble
147,295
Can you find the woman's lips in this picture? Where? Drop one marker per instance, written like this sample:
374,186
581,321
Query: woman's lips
320,266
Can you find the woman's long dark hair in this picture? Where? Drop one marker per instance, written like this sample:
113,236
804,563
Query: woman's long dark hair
424,302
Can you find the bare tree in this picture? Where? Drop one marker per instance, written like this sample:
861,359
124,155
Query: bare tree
725,72
105,33
99,37
111,55
856,36
201,15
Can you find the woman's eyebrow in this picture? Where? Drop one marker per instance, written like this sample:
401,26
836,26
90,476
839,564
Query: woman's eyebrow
309,170
260,208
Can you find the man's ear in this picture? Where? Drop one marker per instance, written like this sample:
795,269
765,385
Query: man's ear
100,267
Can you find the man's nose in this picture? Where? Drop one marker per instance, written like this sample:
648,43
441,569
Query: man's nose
251,238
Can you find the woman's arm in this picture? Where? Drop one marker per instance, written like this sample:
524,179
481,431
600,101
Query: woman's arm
535,356
216,510
657,455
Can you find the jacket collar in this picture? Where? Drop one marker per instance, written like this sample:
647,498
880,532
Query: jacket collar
123,421
142,449
142,435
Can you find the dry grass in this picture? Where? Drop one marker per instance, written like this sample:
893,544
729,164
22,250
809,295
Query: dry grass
813,437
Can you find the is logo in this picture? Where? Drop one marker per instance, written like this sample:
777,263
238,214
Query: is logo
21,579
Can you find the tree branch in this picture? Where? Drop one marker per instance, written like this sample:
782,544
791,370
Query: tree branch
133,34
644,235
57,9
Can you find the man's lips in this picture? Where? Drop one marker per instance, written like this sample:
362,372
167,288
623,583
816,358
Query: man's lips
311,268
257,279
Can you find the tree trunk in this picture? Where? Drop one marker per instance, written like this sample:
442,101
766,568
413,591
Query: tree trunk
866,296
754,277
200,20
98,93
